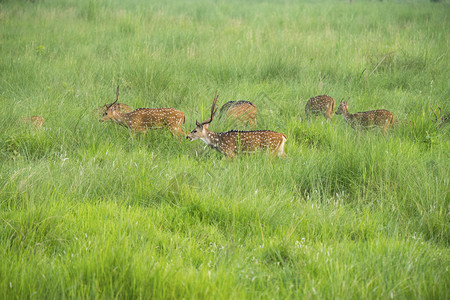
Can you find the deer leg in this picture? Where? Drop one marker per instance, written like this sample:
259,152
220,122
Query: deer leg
177,130
178,133
138,129
230,155
385,128
280,150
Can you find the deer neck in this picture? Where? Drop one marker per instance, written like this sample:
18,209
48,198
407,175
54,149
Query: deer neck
211,138
119,118
347,117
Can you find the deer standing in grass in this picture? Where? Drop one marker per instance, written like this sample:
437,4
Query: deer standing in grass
242,111
380,117
36,121
231,142
142,119
320,105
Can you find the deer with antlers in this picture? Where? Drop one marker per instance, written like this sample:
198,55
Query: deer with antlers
320,105
141,119
242,111
441,120
366,119
231,142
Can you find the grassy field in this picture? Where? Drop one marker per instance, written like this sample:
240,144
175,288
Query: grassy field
89,210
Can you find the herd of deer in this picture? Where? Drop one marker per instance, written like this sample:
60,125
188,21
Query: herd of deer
232,142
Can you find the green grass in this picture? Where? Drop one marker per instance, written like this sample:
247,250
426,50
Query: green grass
89,210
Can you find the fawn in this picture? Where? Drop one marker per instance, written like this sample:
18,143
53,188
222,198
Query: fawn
36,121
366,119
231,142
242,111
142,119
320,105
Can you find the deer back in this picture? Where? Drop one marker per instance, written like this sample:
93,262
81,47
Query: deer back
145,118
242,111
232,142
379,117
320,105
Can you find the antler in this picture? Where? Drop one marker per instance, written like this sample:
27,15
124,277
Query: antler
117,99
213,111
434,112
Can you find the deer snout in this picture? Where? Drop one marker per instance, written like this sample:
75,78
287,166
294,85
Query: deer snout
103,119
188,138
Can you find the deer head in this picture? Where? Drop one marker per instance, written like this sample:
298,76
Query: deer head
108,114
343,107
200,132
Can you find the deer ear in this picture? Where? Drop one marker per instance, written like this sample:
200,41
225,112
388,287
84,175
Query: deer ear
197,123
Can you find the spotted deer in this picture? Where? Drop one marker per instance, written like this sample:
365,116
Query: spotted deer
36,121
380,117
320,105
244,112
141,119
231,142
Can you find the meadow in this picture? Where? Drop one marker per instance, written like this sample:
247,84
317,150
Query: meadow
90,210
